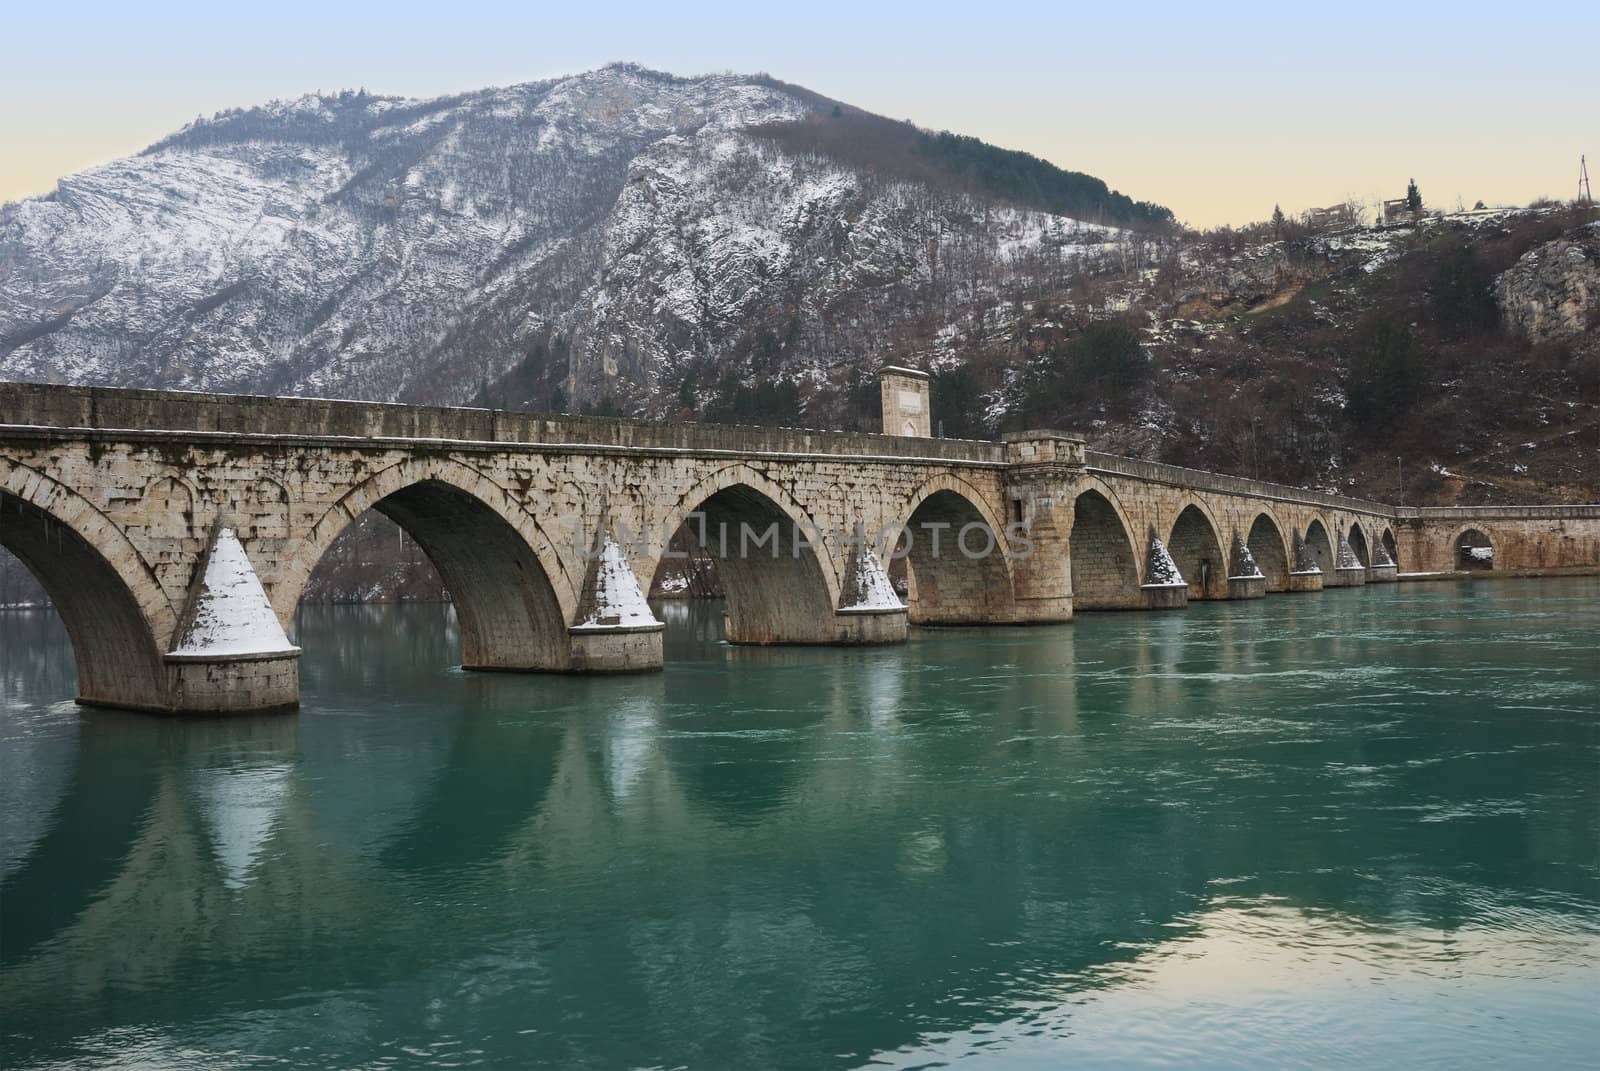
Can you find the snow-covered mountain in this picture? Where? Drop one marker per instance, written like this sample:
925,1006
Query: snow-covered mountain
621,237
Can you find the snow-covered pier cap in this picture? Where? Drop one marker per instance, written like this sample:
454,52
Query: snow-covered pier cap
1164,587
1306,574
1241,563
616,630
1348,572
1245,578
231,652
612,596
229,614
1383,569
867,589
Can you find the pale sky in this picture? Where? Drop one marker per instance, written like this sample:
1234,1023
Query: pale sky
1216,110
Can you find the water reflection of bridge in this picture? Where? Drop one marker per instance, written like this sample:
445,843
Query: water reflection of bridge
836,850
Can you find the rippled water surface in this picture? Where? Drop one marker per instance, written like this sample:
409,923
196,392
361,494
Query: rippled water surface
1353,829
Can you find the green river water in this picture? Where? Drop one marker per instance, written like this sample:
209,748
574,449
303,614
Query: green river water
1354,829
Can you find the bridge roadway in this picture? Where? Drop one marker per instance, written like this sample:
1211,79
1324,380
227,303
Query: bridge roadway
175,531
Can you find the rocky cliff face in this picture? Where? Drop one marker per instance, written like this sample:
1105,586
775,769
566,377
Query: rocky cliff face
1552,293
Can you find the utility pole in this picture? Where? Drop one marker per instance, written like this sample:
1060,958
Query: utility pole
1584,195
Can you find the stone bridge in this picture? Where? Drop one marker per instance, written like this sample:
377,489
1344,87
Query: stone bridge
176,531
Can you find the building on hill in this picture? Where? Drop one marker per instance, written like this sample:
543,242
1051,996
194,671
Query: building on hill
1340,215
1399,210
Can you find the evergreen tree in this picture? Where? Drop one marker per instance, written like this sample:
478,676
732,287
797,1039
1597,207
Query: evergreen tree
1277,221
1413,197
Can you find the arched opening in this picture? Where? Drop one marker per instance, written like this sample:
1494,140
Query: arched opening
374,560
1474,551
767,568
507,611
1267,548
1358,544
1105,572
1390,547
955,563
1320,547
117,656
1198,553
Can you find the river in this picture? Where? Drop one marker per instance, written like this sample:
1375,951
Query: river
1353,829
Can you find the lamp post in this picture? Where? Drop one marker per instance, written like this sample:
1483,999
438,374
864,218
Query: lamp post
1255,463
1400,481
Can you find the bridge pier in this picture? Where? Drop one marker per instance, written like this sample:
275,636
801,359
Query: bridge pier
1165,596
870,626
854,627
621,649
1245,578
240,684
1247,587
1044,469
617,632
231,655
1306,580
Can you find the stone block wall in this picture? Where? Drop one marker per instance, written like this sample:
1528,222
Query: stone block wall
1547,537
237,685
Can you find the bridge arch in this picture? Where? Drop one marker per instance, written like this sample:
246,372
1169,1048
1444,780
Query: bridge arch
1390,546
1358,544
115,612
513,596
1269,547
1320,546
1104,553
954,586
780,588
1195,543
1472,549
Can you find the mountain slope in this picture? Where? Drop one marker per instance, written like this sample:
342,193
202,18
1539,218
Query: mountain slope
613,238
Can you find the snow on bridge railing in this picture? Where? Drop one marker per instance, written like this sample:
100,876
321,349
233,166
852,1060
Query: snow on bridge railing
1200,480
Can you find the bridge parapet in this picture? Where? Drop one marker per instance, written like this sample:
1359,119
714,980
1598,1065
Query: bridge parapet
307,419
1498,513
1200,480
